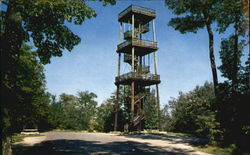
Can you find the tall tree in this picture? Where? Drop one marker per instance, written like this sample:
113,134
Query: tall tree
150,108
231,13
197,14
73,112
191,112
233,111
231,62
32,100
232,107
86,108
42,23
105,115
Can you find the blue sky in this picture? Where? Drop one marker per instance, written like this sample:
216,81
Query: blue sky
183,60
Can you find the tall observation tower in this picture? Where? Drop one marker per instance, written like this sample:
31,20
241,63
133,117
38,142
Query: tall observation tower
138,48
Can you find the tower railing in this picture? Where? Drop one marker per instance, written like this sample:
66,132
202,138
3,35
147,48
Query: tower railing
143,69
138,42
137,75
143,29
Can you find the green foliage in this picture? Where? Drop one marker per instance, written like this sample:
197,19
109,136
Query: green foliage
44,22
194,15
197,13
230,107
150,108
192,112
105,116
166,118
227,57
232,102
31,98
230,12
74,112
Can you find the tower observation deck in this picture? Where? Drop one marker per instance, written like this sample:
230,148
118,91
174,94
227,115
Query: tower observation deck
136,24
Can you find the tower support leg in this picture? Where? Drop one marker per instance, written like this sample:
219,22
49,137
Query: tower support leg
132,101
158,107
116,108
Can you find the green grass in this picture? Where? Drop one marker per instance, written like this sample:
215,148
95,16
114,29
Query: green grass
214,149
178,134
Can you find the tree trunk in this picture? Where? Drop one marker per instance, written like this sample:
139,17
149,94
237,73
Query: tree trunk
211,52
10,44
6,146
235,57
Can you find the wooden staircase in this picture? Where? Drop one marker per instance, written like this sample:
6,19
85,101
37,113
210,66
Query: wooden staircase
141,114
137,119
139,97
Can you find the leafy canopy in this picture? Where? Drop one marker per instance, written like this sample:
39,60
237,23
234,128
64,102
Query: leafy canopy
196,14
44,23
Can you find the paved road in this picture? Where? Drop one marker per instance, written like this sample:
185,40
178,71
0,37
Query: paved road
64,143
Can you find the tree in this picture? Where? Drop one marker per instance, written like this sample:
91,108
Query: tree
55,116
232,106
30,93
87,108
192,113
198,14
105,116
106,112
150,108
31,98
231,13
231,63
233,112
73,112
24,99
42,23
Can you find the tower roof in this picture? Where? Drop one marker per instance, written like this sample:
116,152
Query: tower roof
142,15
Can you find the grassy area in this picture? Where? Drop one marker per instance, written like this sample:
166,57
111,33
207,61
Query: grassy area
213,149
19,137
178,134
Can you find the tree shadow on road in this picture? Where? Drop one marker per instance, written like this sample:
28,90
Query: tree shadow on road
80,147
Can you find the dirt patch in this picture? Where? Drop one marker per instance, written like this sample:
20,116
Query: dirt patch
30,141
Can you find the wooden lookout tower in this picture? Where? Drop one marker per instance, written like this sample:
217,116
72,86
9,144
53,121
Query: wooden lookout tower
136,24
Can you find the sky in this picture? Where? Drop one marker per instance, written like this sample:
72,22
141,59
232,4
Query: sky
183,59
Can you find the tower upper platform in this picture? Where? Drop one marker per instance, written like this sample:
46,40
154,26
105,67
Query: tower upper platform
142,15
142,47
141,79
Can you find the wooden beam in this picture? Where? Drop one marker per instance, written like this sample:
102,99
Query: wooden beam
119,64
133,50
153,26
117,91
133,26
158,107
132,100
155,54
116,108
121,32
157,87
